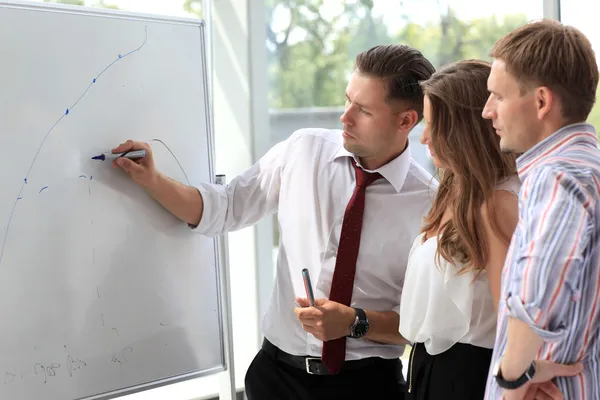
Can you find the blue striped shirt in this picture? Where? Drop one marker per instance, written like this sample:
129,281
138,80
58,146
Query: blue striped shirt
551,277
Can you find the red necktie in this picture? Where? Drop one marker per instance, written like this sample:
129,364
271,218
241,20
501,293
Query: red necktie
334,351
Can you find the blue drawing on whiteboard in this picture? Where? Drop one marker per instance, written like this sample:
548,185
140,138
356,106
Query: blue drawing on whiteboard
45,187
64,114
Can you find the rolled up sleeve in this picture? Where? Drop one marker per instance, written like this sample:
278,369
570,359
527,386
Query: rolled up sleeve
552,236
247,198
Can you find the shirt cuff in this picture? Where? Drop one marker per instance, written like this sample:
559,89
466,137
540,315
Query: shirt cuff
212,196
528,315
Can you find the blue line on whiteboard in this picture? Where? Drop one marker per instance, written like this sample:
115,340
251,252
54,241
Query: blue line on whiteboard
111,64
19,198
119,58
83,176
45,187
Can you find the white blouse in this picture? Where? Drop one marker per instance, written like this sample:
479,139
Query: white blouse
440,307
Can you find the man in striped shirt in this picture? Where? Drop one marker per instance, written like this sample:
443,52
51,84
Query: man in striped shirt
542,88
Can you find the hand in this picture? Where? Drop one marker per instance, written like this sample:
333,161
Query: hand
142,171
543,391
327,320
541,386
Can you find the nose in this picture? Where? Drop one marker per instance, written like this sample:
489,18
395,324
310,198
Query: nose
488,110
345,117
424,139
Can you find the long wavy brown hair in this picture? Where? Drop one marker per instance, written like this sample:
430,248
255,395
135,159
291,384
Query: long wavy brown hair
470,149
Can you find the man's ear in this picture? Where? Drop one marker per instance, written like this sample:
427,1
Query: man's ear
406,120
544,101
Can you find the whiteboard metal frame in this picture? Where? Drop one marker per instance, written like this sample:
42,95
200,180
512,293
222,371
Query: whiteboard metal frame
551,9
228,389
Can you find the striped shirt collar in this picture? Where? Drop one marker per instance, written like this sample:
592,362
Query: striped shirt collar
553,144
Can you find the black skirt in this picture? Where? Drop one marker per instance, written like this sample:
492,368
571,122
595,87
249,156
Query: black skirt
459,373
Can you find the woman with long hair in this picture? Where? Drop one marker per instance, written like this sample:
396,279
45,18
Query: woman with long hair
452,284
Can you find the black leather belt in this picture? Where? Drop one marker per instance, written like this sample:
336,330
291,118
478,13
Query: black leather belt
314,365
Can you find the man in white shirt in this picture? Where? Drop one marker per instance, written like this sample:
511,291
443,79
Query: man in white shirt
350,347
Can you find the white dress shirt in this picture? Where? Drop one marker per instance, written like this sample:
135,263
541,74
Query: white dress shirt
441,307
308,180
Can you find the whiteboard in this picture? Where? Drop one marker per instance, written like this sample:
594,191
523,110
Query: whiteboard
102,292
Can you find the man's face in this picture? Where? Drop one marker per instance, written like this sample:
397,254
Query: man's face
371,125
513,113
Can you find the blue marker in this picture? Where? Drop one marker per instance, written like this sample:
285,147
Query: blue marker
308,287
132,154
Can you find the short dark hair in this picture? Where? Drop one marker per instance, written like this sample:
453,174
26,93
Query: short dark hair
402,68
560,57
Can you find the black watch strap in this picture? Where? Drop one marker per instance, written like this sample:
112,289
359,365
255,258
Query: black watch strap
361,314
361,324
520,381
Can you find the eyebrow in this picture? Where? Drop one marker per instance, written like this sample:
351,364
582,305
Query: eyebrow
358,104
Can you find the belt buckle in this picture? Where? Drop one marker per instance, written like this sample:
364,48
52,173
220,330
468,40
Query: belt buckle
307,361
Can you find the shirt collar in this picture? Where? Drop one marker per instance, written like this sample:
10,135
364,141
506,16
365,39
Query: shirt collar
394,172
553,144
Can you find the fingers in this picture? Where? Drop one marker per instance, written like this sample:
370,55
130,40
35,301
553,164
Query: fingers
541,395
550,391
131,145
128,145
320,302
129,166
308,314
302,302
313,323
306,311
531,392
314,331
567,370
547,370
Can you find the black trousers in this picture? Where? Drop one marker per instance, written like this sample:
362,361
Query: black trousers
459,373
271,379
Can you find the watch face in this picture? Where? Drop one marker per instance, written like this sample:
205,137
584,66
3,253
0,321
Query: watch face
361,329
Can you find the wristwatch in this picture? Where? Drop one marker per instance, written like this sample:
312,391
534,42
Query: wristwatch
520,381
360,327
